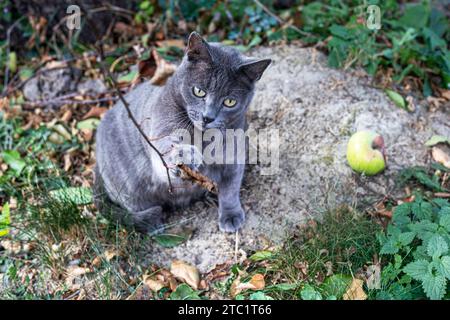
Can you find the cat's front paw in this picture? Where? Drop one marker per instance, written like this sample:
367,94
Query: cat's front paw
231,221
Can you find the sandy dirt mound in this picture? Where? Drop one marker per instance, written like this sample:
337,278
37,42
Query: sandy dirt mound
315,109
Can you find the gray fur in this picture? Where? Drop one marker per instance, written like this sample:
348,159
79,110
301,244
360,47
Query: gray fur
130,172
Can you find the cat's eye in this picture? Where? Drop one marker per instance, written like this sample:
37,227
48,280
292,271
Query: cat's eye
229,103
198,92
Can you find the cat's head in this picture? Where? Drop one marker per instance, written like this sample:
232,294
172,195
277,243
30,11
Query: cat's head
217,83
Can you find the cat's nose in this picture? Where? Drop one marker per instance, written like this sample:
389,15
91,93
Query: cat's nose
207,120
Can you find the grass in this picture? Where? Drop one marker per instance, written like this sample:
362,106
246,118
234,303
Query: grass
60,236
343,243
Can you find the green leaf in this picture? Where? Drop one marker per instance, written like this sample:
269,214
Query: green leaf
417,269
444,266
5,220
90,123
336,285
259,295
25,74
12,61
423,226
444,221
437,246
13,160
398,100
434,140
309,293
406,237
390,247
401,214
184,292
128,77
261,255
76,195
415,16
169,240
434,286
284,286
255,41
340,31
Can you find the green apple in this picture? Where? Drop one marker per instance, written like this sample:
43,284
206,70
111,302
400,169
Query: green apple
366,153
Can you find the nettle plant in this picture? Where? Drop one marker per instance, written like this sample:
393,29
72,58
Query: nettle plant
419,239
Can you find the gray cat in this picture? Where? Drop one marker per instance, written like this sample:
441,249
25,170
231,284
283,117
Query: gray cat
211,88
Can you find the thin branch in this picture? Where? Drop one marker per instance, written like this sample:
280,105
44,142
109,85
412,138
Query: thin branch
279,20
108,75
8,52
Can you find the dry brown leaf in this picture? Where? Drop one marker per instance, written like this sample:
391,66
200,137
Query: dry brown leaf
87,134
197,177
154,284
186,273
97,261
66,116
435,103
355,291
55,64
67,162
171,43
163,70
258,281
173,284
110,254
95,112
76,271
445,94
440,156
11,247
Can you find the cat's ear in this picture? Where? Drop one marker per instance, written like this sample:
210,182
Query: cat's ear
254,70
197,48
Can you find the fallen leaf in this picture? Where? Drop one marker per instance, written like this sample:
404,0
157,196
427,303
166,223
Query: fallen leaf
163,69
95,112
87,134
255,283
186,273
67,162
355,291
154,284
129,77
76,271
261,255
398,100
434,140
197,177
66,116
171,43
445,94
90,123
440,156
11,247
110,254
169,240
435,102
258,281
